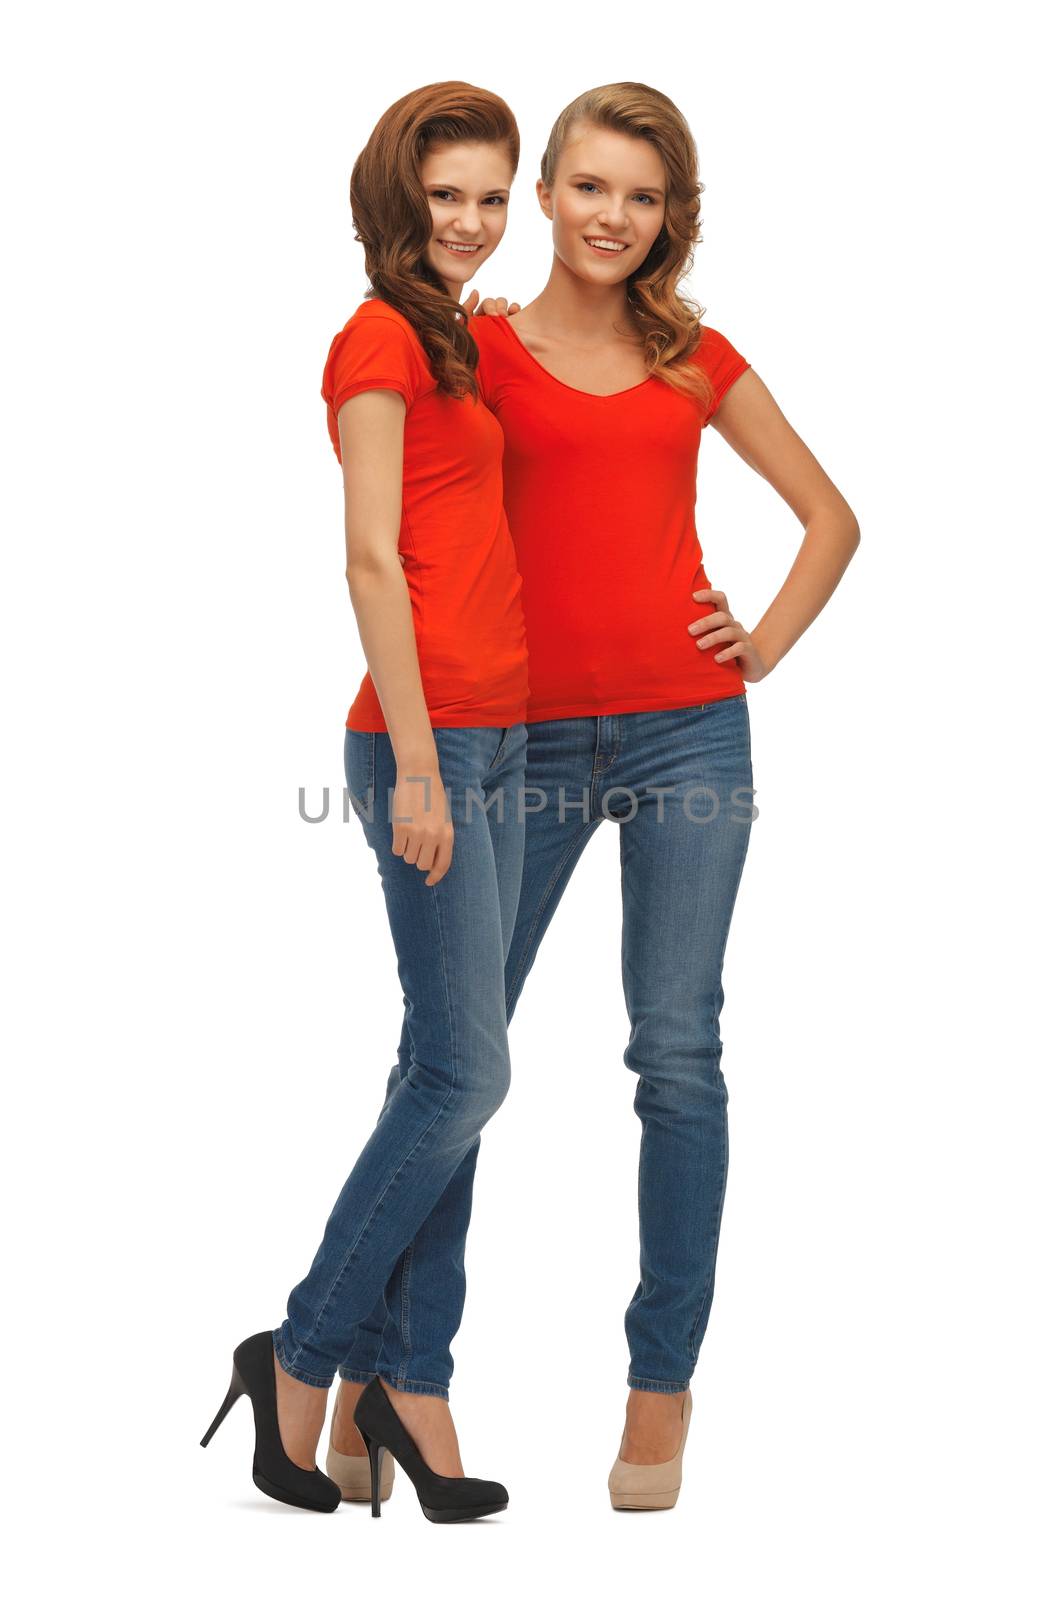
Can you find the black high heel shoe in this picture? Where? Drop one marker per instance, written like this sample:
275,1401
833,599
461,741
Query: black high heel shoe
442,1499
272,1470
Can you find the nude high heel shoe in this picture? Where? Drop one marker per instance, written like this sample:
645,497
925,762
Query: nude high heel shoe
354,1476
654,1488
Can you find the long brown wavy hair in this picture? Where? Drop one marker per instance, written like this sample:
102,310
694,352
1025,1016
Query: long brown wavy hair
668,320
392,216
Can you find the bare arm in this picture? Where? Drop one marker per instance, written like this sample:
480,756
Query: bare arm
371,443
750,420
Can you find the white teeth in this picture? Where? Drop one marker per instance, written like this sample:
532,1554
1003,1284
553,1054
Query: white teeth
460,249
610,246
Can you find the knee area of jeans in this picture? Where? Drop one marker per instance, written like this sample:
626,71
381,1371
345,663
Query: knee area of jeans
476,1102
678,1081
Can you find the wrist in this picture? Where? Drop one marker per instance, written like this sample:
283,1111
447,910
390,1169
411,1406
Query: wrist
768,654
416,761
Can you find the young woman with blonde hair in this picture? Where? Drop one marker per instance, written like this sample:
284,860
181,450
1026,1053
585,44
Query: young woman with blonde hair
434,758
638,712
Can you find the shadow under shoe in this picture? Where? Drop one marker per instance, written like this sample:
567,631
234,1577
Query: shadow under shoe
441,1499
272,1470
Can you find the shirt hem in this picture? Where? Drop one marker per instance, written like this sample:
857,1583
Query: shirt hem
613,707
446,719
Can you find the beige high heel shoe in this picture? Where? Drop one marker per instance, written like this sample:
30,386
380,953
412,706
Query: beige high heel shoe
637,1488
353,1475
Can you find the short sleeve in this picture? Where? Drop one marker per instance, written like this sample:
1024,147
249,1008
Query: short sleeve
722,363
373,351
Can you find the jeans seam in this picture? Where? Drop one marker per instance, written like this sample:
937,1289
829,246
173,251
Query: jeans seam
368,801
355,1375
363,1234
705,1302
658,1385
414,1385
406,1321
302,1374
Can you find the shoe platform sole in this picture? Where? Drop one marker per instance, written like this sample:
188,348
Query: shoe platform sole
644,1502
288,1497
466,1514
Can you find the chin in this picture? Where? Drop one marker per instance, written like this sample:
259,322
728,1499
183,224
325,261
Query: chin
460,272
594,273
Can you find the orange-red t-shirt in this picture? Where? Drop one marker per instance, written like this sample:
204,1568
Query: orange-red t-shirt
600,493
459,557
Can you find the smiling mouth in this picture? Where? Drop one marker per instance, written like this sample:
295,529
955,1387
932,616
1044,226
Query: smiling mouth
460,249
606,247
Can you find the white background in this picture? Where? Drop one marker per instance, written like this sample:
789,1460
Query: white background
204,1004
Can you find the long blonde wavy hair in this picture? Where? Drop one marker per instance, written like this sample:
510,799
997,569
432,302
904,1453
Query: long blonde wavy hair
669,322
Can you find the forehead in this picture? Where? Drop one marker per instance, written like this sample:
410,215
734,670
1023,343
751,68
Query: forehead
612,155
468,166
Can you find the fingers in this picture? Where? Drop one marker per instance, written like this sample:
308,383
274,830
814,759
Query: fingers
442,862
715,620
426,850
469,303
426,847
716,597
514,306
721,636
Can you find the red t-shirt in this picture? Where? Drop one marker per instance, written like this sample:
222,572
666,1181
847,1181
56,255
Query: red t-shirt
600,493
459,557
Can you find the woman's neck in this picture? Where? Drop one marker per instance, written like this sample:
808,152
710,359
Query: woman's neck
569,308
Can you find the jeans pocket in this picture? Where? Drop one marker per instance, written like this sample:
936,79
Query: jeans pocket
503,732
510,738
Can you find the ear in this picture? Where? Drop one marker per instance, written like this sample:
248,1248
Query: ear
543,195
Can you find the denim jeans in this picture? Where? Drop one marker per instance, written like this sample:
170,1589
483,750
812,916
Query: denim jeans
679,784
453,1070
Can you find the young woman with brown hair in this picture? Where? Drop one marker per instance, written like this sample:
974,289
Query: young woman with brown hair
434,758
637,666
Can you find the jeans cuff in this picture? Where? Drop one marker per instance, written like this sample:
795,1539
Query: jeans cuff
657,1385
414,1385
355,1375
316,1380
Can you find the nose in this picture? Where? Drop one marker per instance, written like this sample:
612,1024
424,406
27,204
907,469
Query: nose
612,217
468,221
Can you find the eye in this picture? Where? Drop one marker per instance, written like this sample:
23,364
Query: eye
496,199
647,198
441,194
586,185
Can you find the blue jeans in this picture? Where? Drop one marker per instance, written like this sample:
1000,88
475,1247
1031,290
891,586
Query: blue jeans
453,1070
679,784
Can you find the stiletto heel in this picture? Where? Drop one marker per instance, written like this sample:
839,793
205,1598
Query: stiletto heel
376,1452
441,1499
236,1390
353,1474
273,1471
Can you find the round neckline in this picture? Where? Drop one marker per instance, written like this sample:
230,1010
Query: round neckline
587,394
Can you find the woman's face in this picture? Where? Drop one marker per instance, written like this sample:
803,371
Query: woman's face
468,191
607,187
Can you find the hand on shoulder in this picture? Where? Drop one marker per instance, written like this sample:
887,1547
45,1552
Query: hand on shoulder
492,307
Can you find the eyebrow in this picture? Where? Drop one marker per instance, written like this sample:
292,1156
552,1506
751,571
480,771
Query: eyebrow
455,189
639,188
